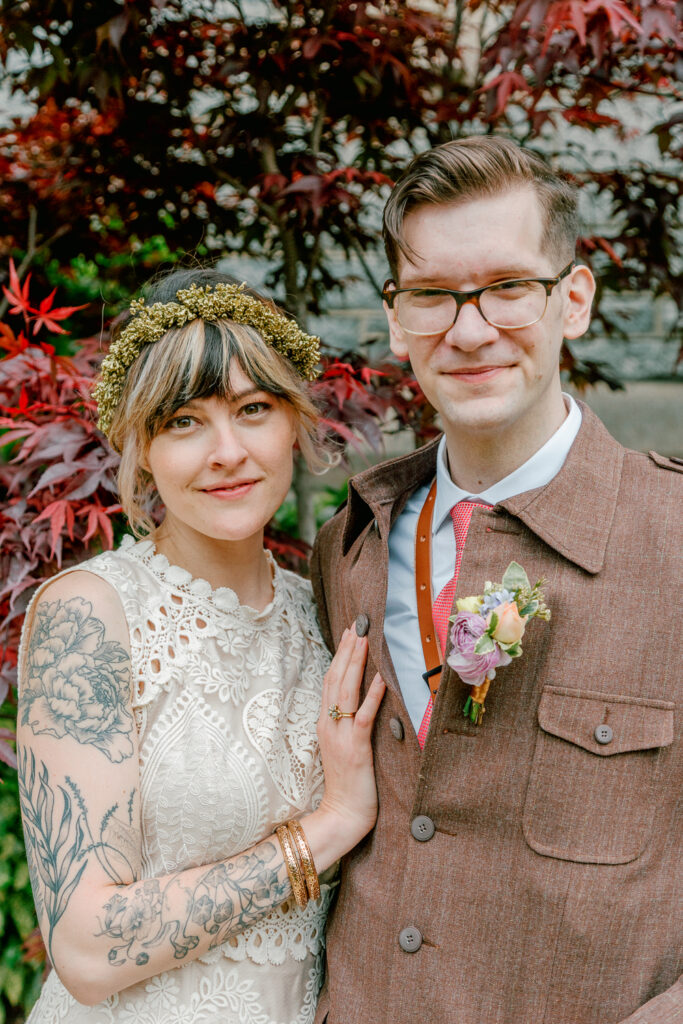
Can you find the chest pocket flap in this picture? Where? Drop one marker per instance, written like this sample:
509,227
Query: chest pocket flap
635,723
592,791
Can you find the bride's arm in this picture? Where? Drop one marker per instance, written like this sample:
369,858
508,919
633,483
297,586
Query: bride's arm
106,928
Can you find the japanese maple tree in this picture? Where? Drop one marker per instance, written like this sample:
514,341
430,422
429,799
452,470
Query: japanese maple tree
278,133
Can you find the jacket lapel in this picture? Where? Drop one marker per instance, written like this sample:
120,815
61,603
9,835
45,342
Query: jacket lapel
574,513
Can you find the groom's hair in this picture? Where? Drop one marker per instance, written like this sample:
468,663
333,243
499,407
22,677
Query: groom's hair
472,168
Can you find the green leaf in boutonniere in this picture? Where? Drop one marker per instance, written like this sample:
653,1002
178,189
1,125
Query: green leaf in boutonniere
485,644
515,578
529,609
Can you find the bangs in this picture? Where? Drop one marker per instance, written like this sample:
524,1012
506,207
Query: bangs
201,355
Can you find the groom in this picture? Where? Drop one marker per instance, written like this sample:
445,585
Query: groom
525,870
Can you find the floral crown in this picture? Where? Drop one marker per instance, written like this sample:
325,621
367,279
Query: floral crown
150,323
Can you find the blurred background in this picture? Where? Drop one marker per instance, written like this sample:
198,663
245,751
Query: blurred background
266,135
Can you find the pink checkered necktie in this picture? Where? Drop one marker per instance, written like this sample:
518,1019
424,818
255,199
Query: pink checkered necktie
461,515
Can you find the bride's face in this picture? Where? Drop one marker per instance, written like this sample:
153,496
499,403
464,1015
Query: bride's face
223,465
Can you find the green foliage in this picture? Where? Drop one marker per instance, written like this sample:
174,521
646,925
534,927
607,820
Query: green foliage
20,980
324,506
104,278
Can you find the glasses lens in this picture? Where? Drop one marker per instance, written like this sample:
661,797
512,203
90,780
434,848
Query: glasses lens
513,303
422,311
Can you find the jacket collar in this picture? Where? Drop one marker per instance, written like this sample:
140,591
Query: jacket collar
381,492
573,513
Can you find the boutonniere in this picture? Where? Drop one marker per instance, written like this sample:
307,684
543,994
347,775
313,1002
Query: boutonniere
487,632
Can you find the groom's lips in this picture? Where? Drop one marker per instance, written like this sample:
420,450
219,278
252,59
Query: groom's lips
478,374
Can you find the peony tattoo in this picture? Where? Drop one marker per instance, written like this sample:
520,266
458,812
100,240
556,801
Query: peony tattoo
487,632
76,682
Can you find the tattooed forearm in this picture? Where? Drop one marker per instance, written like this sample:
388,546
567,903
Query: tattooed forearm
77,683
59,841
224,899
193,909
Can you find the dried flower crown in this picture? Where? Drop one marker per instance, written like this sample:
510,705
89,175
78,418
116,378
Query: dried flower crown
230,301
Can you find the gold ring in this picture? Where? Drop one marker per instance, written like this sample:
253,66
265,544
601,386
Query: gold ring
335,713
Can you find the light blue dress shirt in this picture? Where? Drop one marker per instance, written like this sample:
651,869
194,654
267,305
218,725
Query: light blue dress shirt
400,624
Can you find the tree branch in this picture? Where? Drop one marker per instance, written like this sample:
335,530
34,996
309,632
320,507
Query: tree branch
30,251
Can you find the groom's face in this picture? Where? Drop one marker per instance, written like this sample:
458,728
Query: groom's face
485,380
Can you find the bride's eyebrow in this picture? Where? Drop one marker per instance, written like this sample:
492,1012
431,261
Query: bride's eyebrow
237,396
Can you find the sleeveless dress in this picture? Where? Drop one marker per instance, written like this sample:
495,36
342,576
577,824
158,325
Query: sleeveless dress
226,701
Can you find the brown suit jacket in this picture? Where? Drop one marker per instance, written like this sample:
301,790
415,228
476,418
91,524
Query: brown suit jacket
550,891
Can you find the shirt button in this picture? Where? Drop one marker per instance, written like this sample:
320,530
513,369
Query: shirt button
422,828
396,726
604,734
410,940
362,624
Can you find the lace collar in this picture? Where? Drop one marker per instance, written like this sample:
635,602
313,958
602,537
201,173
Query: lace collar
222,598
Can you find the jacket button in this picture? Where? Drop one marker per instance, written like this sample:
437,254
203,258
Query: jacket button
362,624
410,940
422,828
604,734
396,726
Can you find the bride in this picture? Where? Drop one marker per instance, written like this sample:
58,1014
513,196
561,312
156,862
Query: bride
181,849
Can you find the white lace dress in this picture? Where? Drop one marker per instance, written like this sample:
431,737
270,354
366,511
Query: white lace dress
226,702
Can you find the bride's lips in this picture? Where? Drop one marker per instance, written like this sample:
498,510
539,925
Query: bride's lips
233,490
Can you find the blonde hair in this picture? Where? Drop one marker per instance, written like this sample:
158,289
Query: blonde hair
475,166
194,362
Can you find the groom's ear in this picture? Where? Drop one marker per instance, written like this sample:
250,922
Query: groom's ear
397,338
577,309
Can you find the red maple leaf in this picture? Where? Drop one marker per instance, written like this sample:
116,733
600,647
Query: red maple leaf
45,316
617,14
16,294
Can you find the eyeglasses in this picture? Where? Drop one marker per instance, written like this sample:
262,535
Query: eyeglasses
508,304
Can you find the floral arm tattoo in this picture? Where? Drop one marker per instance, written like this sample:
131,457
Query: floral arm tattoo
60,840
173,916
77,683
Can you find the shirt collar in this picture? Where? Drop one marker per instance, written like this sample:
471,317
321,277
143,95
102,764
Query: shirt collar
573,513
537,471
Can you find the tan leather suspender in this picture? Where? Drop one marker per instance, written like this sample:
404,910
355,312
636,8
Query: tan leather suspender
423,592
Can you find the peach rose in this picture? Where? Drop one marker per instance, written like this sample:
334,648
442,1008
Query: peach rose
511,625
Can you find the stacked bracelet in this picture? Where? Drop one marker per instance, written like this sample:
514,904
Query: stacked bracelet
306,858
299,861
293,866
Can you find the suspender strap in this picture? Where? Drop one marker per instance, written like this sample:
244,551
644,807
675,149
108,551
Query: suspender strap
423,592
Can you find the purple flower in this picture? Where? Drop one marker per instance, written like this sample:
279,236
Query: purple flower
473,668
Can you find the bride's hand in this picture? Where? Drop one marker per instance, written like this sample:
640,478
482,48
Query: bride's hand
350,798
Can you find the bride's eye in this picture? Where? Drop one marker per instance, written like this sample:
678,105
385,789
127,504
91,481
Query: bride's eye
180,422
255,408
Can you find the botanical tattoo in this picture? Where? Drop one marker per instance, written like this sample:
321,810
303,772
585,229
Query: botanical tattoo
59,840
227,898
76,682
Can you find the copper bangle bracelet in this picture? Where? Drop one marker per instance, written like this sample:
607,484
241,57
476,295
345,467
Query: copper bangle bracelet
293,866
306,858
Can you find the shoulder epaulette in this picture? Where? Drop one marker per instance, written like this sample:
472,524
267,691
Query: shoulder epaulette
673,462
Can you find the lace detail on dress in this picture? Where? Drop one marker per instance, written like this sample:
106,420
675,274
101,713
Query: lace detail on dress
282,728
285,932
221,996
186,818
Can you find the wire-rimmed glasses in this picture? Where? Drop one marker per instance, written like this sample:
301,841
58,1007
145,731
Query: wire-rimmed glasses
505,304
